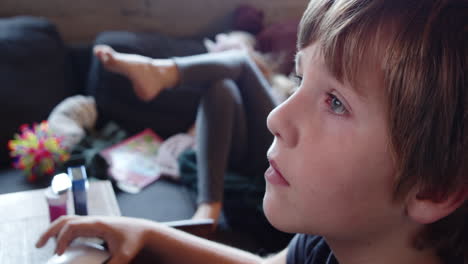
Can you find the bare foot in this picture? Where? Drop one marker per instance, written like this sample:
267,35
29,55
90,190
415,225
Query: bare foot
208,211
148,76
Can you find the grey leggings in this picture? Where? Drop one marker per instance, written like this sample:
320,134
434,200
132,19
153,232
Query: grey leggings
231,120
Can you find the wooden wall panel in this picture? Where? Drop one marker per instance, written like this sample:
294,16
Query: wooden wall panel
81,20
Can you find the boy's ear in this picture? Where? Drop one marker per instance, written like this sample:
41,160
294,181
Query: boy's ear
426,209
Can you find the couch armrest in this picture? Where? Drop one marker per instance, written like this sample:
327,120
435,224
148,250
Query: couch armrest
199,227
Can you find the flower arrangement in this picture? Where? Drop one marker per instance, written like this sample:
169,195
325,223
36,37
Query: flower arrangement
37,151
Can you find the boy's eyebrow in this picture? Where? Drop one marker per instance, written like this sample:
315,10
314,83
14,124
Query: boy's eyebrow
339,83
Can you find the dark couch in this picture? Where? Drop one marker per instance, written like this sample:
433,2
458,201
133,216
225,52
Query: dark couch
38,70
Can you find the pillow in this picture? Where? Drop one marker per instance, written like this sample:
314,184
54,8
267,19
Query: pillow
248,18
33,74
280,39
72,117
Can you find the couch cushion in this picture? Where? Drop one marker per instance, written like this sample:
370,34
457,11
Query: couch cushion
33,74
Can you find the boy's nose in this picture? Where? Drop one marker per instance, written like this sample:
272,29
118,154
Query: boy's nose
280,122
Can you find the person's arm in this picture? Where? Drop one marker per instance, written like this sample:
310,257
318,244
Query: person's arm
279,258
174,246
126,237
179,247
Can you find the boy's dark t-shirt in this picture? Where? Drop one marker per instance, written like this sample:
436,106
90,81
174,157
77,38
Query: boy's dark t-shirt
307,249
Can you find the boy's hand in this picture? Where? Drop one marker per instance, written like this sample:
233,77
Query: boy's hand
124,236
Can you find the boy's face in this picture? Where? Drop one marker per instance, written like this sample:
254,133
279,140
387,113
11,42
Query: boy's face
334,172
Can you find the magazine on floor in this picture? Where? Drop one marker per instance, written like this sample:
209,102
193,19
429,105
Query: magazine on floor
132,162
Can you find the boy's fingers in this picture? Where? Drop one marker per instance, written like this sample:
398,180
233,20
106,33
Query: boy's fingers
69,232
52,231
74,229
63,239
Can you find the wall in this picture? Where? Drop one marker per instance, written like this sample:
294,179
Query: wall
81,20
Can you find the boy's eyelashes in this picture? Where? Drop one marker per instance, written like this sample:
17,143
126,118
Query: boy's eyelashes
297,79
334,103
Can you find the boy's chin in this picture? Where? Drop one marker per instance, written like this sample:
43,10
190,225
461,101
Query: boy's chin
277,217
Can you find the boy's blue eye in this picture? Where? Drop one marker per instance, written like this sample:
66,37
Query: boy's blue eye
336,105
298,80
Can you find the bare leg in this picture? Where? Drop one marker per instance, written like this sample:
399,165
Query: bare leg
148,76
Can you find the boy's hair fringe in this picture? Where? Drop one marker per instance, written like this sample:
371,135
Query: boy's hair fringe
421,48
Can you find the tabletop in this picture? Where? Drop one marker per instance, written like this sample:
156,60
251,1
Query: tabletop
24,216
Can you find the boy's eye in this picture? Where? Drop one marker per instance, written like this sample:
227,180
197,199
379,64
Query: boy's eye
336,105
297,80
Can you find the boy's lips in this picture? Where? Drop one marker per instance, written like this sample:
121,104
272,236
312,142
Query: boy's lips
274,176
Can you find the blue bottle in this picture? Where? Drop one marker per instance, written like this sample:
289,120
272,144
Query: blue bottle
79,188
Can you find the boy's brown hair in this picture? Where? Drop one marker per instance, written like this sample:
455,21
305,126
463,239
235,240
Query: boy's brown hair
421,48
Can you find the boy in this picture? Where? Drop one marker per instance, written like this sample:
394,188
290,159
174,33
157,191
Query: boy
369,153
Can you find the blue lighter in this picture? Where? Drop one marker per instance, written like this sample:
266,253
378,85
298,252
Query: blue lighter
79,188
